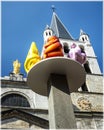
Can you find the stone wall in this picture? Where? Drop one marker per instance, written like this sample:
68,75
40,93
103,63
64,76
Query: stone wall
82,123
17,123
88,106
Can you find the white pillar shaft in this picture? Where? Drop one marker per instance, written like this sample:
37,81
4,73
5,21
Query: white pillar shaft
61,115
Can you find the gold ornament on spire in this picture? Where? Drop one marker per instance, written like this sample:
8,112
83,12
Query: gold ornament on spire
16,67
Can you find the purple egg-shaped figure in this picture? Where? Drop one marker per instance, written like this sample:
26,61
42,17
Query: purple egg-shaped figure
76,54
74,51
82,58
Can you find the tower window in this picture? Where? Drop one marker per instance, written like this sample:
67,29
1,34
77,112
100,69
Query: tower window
66,48
86,38
14,100
46,33
87,69
50,33
83,39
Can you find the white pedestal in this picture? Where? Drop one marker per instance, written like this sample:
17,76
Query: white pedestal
61,114
57,78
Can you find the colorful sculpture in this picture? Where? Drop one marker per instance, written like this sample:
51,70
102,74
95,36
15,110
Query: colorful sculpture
77,53
52,48
32,57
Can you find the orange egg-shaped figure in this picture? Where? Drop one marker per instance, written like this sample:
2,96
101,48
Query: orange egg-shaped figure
52,47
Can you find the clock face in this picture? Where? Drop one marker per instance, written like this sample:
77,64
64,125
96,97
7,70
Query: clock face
84,103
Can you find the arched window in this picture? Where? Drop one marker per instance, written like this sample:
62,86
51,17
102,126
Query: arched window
83,39
14,100
49,33
86,38
46,33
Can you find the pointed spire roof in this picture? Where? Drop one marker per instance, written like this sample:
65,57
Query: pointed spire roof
58,28
82,32
47,27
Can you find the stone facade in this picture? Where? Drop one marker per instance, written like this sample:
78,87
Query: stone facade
88,108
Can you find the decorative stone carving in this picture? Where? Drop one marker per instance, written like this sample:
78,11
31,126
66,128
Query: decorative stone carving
84,103
15,75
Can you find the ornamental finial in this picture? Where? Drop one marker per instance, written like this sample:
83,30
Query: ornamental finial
53,8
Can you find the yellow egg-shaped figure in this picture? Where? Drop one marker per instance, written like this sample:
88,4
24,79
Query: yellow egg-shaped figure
32,57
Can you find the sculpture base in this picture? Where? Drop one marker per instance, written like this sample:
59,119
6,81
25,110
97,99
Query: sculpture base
56,78
38,75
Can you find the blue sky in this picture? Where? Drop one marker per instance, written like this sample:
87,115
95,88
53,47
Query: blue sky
24,22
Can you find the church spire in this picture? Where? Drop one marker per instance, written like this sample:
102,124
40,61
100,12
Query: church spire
58,27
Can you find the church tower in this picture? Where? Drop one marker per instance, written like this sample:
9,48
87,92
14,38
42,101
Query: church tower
58,29
47,33
23,108
92,62
88,101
